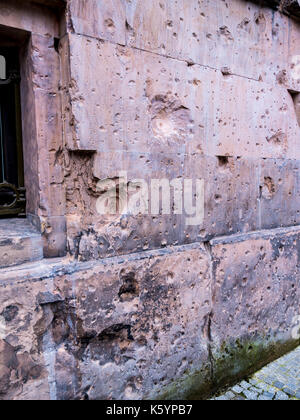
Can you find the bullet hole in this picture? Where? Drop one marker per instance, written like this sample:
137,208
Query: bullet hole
130,287
196,82
260,20
281,77
244,281
190,63
218,198
223,161
278,139
110,25
244,24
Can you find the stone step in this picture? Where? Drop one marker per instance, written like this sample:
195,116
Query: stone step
20,242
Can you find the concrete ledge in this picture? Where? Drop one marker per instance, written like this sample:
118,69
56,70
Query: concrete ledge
173,323
19,242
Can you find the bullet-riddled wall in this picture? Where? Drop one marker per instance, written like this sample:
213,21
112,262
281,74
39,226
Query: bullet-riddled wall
147,305
183,89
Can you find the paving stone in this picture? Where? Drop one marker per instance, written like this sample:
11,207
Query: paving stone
230,395
270,380
281,396
254,389
263,386
270,395
272,390
278,384
279,380
221,398
253,381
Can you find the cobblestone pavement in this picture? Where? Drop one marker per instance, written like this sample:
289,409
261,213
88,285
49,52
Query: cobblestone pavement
278,381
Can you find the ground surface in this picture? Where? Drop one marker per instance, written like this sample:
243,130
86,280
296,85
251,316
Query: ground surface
278,381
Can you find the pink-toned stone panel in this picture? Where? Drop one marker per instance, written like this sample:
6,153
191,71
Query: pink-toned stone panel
34,18
103,19
256,299
240,36
98,333
144,102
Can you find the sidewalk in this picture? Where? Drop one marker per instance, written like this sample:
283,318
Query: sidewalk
278,381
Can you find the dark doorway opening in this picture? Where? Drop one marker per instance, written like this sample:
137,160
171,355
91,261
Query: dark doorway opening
12,191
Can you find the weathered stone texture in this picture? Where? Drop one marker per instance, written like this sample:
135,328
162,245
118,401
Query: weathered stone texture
104,322
19,243
247,40
150,325
103,19
150,307
139,85
163,119
256,288
17,14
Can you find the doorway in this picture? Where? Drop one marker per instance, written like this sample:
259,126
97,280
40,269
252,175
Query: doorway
12,190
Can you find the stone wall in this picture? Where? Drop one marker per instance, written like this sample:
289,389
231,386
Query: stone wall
230,72
168,324
145,306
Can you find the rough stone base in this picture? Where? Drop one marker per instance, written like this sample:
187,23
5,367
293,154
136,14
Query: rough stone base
169,324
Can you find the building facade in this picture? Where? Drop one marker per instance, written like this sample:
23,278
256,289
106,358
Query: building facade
150,187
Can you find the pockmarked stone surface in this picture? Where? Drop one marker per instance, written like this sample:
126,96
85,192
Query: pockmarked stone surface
279,380
163,106
143,305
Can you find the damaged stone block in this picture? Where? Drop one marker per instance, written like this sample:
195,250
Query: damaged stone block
19,243
256,295
231,193
103,321
99,19
241,36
